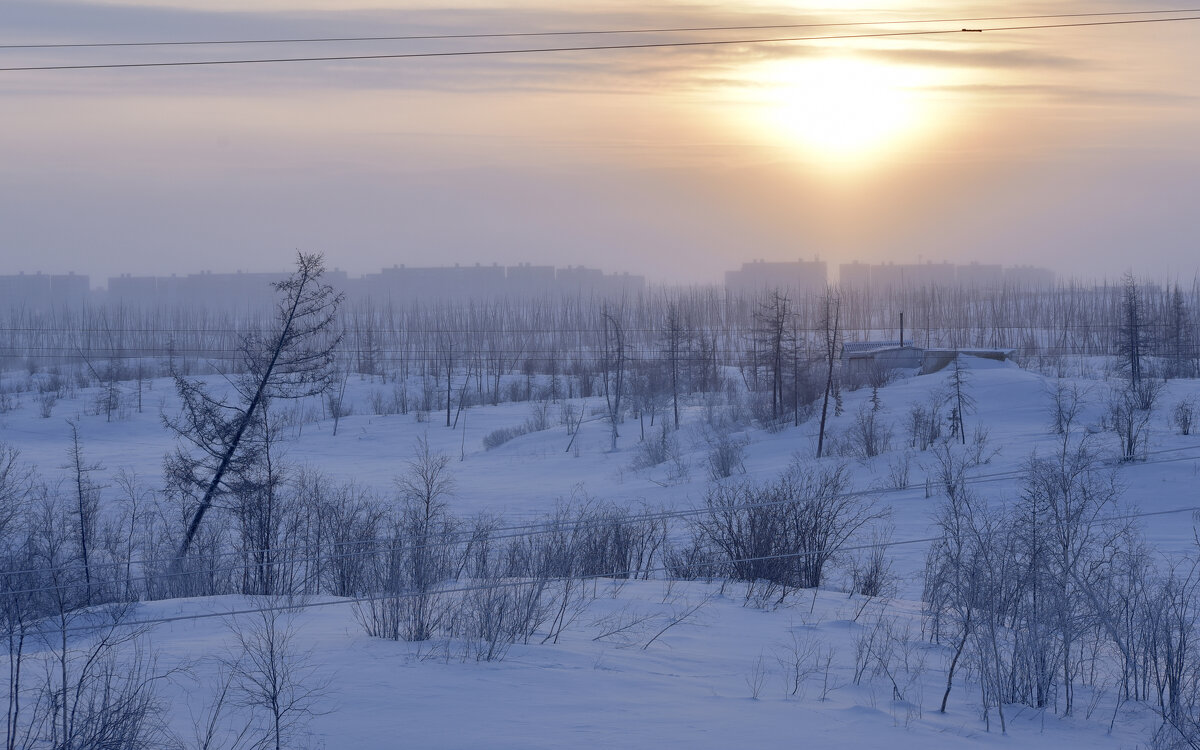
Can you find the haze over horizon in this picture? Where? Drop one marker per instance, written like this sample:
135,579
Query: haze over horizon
1068,148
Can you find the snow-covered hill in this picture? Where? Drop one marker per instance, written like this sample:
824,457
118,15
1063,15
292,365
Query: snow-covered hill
646,663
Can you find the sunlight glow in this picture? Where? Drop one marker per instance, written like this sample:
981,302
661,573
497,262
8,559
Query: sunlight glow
839,111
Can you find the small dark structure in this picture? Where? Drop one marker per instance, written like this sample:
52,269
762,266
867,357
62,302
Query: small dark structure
861,358
933,360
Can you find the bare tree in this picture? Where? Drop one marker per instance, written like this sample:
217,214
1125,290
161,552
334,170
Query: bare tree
16,484
1183,415
418,557
1179,337
214,728
771,334
613,363
97,684
963,401
293,360
272,676
19,613
1131,331
1129,420
336,398
1021,591
129,527
261,507
87,505
784,532
674,341
428,481
831,317
1066,404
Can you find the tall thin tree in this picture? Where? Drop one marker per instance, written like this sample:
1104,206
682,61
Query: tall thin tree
832,319
293,360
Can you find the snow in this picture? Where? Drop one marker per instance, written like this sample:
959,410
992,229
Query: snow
689,689
692,687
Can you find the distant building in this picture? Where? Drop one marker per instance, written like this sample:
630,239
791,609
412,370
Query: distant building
527,280
40,291
805,277
882,276
460,283
398,284
981,275
205,289
928,274
855,274
127,289
1029,276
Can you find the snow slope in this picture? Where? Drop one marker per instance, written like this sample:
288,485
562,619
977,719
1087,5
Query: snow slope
691,687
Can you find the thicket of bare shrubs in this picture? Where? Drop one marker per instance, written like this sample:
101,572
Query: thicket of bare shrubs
1035,600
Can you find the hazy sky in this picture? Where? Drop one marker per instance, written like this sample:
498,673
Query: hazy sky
1075,149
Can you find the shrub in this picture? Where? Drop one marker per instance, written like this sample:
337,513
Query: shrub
725,452
1183,416
497,438
783,532
657,450
869,435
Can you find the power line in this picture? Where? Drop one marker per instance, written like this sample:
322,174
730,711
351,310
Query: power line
532,529
587,48
500,533
616,575
584,32
522,531
352,326
619,575
463,353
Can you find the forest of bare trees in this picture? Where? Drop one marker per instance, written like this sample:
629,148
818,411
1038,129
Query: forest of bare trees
1032,600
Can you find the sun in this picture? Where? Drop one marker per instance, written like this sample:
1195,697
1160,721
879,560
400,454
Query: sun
840,107
840,111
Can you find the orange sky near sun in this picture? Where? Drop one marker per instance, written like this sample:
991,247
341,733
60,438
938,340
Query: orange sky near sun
1059,147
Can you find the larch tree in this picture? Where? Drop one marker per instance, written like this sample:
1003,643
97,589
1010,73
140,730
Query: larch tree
293,359
613,362
771,333
1131,331
674,337
831,319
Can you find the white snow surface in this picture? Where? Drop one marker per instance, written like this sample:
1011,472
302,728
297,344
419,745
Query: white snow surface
693,686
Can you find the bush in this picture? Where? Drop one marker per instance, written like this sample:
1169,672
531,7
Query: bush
869,435
1129,421
539,416
871,573
924,424
1145,393
536,423
1183,416
497,438
726,453
656,451
783,532
48,399
492,618
899,470
386,404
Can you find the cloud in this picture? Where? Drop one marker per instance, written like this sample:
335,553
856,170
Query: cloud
569,157
1075,94
79,20
961,57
